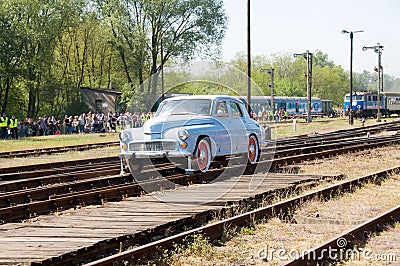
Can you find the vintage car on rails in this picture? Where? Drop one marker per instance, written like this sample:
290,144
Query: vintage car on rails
192,132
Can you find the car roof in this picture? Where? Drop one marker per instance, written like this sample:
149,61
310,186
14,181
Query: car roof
207,97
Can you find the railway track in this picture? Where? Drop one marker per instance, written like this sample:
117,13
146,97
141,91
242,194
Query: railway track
60,149
339,134
79,235
28,193
346,241
354,132
33,190
215,230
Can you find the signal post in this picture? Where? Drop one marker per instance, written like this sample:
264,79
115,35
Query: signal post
308,56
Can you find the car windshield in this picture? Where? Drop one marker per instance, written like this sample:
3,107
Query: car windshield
184,107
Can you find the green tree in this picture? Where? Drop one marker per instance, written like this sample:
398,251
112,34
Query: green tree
330,83
38,25
11,44
320,59
181,28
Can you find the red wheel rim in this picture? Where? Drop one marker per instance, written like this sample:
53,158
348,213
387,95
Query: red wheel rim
203,155
252,149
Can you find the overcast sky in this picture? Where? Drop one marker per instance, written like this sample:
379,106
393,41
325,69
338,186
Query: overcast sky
294,26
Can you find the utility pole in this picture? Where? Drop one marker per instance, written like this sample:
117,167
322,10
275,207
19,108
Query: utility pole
351,33
271,85
248,59
309,80
308,56
382,89
378,49
162,71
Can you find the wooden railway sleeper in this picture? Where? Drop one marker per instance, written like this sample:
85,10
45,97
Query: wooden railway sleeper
28,198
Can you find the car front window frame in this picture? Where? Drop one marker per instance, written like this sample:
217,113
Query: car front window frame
204,106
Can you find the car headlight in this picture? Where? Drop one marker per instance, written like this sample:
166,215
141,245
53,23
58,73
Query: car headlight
183,134
123,136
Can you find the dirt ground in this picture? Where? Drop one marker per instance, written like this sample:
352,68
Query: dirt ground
275,241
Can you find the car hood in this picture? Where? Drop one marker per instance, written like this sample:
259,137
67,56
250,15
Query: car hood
159,125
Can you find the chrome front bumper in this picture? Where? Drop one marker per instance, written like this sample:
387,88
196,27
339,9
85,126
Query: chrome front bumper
154,154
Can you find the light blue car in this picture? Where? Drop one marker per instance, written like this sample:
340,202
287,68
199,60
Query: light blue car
192,132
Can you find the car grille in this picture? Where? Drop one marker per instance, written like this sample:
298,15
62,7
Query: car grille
153,146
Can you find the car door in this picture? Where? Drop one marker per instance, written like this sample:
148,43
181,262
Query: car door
237,127
222,135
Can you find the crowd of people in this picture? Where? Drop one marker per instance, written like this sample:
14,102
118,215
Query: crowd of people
96,122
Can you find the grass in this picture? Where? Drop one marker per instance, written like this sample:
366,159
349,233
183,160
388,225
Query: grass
262,238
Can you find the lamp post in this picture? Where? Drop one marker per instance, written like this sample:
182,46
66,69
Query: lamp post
351,121
162,71
248,59
271,72
382,89
308,56
377,49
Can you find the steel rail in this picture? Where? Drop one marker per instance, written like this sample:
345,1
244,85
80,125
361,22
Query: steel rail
395,125
342,133
22,204
379,140
215,230
26,180
63,164
108,246
13,198
333,247
42,151
92,195
286,142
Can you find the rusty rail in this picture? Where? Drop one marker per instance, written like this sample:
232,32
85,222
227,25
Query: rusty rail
215,230
334,246
16,205
42,151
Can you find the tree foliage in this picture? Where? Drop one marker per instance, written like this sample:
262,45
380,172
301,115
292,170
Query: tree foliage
329,81
148,33
50,49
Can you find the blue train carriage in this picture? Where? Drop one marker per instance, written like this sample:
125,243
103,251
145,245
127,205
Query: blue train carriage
392,103
263,103
359,103
292,105
260,104
365,103
298,106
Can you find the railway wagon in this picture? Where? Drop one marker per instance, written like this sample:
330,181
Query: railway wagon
392,102
365,103
292,105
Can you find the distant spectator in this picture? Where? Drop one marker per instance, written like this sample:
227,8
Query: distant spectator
82,122
13,127
68,124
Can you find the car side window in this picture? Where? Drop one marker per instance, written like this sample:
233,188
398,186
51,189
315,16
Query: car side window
236,111
221,110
